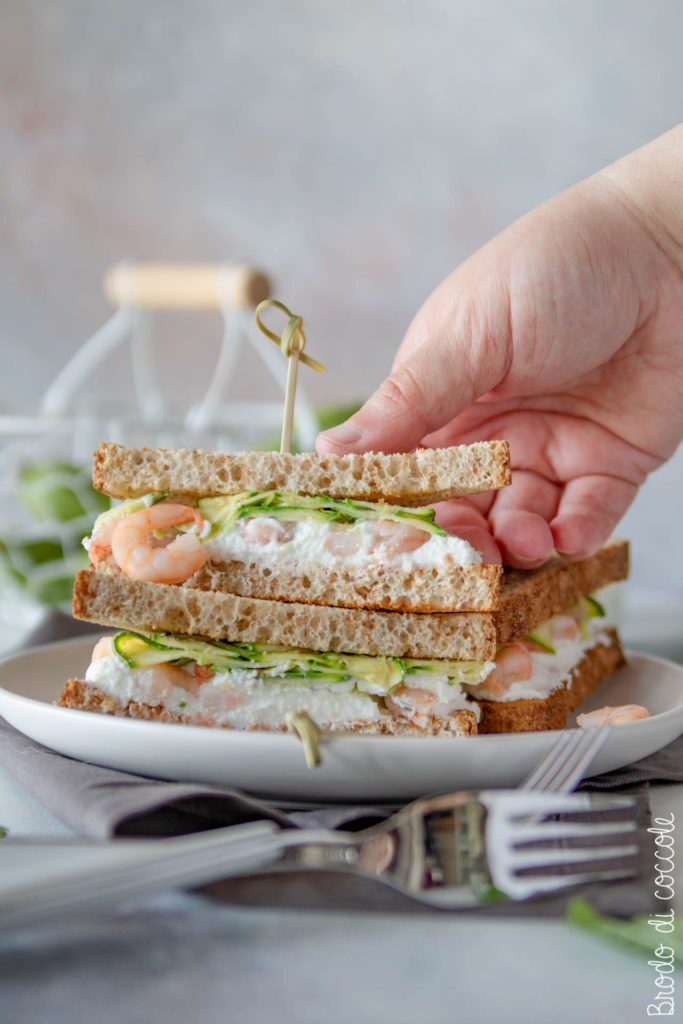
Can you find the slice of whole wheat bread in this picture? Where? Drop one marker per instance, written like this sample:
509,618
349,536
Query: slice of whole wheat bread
122,603
551,712
463,588
422,477
82,696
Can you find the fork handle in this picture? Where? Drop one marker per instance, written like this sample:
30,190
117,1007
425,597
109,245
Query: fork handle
313,848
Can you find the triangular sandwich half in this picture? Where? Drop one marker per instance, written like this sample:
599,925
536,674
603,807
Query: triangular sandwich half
351,531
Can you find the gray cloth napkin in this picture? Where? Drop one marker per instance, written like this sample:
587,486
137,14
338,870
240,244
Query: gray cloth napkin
102,803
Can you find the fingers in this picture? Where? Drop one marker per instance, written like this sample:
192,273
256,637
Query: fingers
482,542
519,519
590,508
525,539
534,517
529,524
462,519
453,353
418,396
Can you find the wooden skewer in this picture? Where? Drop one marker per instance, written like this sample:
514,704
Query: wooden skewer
189,286
290,395
303,726
291,343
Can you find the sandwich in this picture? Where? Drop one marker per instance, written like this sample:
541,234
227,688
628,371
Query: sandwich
323,541
244,663
355,531
394,643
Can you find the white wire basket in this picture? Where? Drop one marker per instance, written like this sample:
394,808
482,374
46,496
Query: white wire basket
46,455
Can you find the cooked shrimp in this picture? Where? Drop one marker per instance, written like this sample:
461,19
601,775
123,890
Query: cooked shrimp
342,542
264,531
144,555
612,716
411,702
102,649
99,547
391,538
156,682
563,627
215,701
513,665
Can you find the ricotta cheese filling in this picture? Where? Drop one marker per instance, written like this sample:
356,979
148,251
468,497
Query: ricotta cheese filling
549,672
371,537
330,545
244,699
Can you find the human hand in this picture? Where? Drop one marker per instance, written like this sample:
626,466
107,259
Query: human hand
565,336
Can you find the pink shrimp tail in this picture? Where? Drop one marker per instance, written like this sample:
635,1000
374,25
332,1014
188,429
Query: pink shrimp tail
612,716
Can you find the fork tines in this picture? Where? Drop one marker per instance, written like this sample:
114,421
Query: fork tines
564,765
517,828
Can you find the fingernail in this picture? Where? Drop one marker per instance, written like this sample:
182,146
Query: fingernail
345,433
522,562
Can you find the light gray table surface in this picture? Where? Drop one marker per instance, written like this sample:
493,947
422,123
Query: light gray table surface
181,956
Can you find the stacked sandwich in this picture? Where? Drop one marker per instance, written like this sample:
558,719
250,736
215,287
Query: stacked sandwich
250,587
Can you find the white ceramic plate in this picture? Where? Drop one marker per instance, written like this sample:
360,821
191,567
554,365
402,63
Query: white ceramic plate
354,767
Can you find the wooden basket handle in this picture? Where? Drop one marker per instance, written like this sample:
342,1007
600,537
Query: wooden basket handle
188,286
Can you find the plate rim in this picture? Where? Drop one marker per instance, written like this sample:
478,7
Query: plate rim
359,768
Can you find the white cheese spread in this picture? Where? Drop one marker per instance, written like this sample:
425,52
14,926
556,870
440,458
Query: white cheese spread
245,699
308,545
550,672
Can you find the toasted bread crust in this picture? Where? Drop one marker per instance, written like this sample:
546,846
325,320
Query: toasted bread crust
122,603
419,478
82,697
551,713
528,597
470,588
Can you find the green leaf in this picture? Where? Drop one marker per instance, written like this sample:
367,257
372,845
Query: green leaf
52,492
47,495
492,895
636,932
57,590
42,551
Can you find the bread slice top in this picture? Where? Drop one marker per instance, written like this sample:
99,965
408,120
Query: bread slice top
422,477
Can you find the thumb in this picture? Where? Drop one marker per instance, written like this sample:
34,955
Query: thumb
443,365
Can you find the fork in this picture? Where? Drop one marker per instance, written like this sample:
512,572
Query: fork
449,851
89,873
454,850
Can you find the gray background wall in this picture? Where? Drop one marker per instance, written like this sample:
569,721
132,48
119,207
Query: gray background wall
357,150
